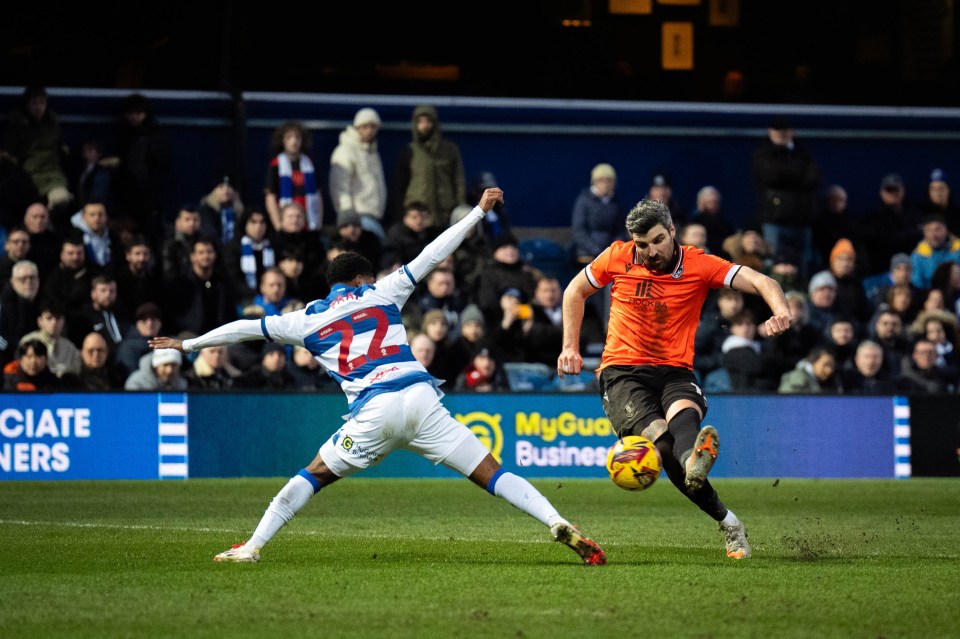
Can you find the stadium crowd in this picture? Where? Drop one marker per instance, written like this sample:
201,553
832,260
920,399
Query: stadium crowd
90,271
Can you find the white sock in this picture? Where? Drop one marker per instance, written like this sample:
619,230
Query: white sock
282,508
730,519
521,494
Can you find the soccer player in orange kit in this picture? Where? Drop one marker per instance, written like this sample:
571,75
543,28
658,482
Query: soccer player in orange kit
647,383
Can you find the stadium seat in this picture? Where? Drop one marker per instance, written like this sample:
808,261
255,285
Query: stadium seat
525,376
717,381
550,257
585,381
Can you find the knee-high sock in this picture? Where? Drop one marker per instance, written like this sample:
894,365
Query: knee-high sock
283,507
706,498
521,494
684,427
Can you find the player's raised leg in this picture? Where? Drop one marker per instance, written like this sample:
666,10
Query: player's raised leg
701,458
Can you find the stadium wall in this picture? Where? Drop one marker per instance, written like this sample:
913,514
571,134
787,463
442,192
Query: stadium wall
175,436
541,151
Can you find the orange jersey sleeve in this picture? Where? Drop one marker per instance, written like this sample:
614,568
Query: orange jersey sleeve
654,316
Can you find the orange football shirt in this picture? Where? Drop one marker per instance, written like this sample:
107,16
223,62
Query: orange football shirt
654,316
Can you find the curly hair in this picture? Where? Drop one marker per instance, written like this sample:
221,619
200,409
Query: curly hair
346,266
276,140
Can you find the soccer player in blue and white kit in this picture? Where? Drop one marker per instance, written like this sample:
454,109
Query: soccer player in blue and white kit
357,336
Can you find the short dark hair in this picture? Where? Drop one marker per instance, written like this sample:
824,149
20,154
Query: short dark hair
102,278
33,91
73,236
416,205
135,239
135,102
646,215
53,306
203,239
819,351
347,266
38,347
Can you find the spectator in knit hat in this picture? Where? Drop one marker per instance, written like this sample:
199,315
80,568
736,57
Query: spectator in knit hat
523,331
159,370
851,298
661,190
355,238
900,273
939,201
472,337
938,245
356,173
892,225
597,219
823,297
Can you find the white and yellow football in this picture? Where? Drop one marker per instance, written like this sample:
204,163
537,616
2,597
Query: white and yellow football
633,463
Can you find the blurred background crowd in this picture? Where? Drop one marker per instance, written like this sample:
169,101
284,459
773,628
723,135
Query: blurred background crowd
93,266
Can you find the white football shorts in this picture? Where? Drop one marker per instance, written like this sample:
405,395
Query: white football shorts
411,419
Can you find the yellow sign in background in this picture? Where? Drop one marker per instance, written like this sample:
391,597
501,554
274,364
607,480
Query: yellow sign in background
677,39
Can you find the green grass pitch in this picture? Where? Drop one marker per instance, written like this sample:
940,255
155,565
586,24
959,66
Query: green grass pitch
441,558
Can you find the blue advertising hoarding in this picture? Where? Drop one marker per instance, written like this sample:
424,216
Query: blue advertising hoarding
541,435
145,436
93,436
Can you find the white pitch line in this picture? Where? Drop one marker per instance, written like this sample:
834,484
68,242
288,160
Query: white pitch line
287,532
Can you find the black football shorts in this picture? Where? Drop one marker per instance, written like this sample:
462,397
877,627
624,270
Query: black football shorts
635,396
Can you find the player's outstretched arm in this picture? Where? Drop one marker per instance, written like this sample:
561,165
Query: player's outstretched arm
448,241
750,281
236,331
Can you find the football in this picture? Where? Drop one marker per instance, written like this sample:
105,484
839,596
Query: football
633,463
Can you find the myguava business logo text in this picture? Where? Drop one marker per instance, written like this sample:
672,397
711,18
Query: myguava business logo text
487,429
